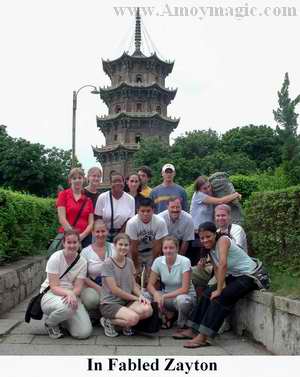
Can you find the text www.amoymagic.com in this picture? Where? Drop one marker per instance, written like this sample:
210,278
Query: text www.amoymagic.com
201,12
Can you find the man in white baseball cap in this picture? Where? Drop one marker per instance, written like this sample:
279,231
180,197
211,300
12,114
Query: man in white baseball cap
168,166
168,190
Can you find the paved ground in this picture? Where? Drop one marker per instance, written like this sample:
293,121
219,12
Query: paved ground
19,338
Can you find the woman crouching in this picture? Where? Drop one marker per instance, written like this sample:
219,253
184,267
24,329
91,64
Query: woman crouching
231,266
178,295
95,255
122,303
61,304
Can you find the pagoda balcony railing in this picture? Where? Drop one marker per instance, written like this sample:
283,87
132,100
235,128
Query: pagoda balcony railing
137,84
136,114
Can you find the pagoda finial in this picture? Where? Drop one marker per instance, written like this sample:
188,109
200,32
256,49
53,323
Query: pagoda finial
138,36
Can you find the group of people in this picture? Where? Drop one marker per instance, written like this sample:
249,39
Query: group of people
142,245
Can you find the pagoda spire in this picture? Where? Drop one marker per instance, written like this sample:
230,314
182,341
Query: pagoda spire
138,35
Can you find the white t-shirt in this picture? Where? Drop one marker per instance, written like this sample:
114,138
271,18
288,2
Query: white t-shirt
57,265
156,229
239,236
124,208
94,262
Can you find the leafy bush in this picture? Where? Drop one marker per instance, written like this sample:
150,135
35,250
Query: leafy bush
245,185
27,223
273,181
273,227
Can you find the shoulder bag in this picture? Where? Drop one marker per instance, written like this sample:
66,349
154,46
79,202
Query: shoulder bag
112,231
56,244
34,309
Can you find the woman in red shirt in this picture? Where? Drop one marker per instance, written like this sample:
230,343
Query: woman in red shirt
70,202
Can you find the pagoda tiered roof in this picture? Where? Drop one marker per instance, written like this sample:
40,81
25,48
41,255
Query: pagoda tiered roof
137,115
138,89
109,65
115,147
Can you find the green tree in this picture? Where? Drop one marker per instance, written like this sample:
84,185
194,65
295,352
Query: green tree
198,143
153,153
287,125
259,143
31,167
188,151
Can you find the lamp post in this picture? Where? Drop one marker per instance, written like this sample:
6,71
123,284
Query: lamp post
75,94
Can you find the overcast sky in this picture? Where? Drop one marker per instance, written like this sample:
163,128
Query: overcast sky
227,69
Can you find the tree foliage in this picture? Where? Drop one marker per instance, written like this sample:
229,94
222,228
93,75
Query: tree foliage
259,143
31,167
242,150
286,118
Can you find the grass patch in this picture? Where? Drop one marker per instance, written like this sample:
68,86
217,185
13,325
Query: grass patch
285,283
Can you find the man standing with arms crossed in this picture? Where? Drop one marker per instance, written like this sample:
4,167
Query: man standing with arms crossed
168,190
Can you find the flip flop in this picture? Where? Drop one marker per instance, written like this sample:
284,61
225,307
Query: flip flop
181,336
191,344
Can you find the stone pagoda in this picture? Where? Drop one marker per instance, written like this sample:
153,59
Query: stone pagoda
137,102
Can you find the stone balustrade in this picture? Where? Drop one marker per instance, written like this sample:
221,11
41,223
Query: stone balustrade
19,279
271,320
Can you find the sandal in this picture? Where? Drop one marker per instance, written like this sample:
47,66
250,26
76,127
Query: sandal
193,344
168,322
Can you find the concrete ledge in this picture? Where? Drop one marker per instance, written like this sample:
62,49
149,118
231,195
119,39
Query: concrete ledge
19,279
271,320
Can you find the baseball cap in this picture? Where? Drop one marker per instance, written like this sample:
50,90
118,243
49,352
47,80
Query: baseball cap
168,166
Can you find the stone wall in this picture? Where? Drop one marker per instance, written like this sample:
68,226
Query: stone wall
271,320
18,280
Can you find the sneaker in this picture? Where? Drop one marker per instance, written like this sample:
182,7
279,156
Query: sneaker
54,332
127,331
109,329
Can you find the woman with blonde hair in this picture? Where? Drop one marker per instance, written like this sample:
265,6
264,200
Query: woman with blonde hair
92,190
178,295
95,255
74,208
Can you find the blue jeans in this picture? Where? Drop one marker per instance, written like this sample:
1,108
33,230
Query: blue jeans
209,315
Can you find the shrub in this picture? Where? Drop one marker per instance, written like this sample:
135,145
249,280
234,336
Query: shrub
275,181
190,190
245,185
273,227
27,223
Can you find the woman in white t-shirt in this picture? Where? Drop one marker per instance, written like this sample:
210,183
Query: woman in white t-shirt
178,294
61,304
95,255
123,206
